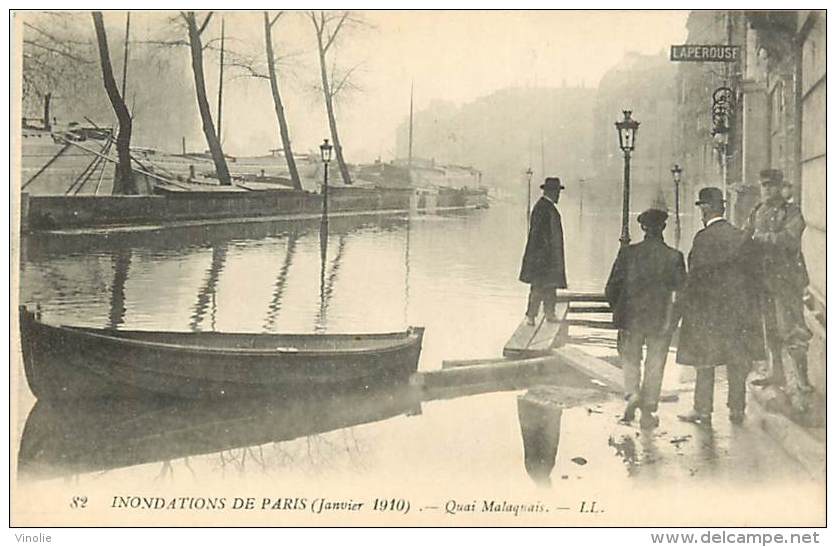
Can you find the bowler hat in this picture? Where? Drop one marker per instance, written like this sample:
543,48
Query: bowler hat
771,176
710,196
653,217
552,183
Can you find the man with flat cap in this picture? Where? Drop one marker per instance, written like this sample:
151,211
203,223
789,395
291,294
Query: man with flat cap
776,227
718,305
543,264
640,290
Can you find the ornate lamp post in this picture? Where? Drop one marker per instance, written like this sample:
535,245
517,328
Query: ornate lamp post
528,174
722,109
676,172
627,129
326,150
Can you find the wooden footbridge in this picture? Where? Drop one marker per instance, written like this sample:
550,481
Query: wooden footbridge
543,350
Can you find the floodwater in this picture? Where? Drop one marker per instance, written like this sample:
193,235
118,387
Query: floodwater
453,273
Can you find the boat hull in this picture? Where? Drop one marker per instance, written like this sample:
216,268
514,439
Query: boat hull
67,363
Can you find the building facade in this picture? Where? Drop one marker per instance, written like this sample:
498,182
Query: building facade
778,120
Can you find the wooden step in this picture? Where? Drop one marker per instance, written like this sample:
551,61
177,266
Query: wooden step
539,339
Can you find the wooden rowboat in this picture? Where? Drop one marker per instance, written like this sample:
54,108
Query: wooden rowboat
64,362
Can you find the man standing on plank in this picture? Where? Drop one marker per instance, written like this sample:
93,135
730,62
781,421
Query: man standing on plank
543,265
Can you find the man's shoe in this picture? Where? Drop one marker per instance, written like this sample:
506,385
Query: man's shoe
736,416
805,387
648,420
630,409
551,318
767,381
695,417
530,321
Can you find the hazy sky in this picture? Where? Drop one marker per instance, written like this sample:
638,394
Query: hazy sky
452,55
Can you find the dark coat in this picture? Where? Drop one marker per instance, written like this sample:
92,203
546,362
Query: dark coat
543,263
640,285
720,316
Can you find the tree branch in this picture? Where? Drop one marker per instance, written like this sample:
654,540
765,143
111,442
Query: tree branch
274,19
336,88
333,35
57,51
167,43
318,29
253,73
205,22
53,38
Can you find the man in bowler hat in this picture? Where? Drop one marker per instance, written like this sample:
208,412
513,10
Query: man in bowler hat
543,264
776,227
718,304
640,290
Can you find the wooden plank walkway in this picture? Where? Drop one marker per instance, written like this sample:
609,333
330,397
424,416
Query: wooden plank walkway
539,339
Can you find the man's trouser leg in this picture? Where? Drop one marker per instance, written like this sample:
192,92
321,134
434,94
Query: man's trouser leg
631,357
535,296
737,373
773,337
654,370
794,334
704,390
549,300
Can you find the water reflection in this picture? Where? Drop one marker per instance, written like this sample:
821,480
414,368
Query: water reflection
275,304
540,425
121,264
327,283
63,439
206,295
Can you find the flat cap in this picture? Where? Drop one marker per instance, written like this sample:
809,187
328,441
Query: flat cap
653,217
771,176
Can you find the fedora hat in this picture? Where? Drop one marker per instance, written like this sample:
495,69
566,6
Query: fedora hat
552,183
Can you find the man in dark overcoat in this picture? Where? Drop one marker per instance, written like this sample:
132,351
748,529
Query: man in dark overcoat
640,290
543,264
776,226
720,322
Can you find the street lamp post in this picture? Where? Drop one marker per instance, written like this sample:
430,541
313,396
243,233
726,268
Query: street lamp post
528,173
325,148
627,129
676,171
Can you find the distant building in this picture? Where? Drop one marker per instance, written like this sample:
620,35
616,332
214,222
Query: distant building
504,133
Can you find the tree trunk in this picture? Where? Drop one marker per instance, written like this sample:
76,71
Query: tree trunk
123,181
332,120
215,149
277,103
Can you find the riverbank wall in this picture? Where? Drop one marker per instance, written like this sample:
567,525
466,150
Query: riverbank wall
51,212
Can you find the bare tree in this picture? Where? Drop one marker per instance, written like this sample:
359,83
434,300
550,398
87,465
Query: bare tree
277,99
123,182
328,27
212,140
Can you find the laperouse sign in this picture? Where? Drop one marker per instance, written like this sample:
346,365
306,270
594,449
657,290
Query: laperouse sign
705,53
